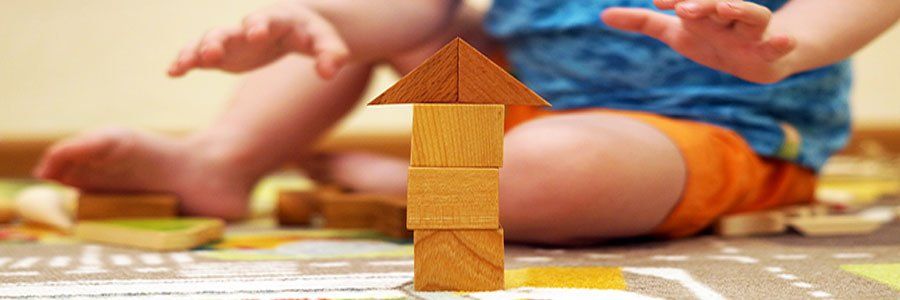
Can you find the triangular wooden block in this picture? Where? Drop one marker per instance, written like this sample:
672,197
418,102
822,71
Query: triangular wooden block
457,73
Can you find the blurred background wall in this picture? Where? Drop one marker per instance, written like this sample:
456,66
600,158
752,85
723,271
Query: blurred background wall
68,66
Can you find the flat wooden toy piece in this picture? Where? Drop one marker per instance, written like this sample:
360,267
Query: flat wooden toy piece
47,206
751,224
835,225
97,206
458,260
805,210
453,198
166,234
457,73
448,135
390,217
296,207
348,210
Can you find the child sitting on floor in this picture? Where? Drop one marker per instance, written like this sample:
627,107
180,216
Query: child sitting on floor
665,115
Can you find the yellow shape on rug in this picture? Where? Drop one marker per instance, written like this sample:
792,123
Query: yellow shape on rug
609,278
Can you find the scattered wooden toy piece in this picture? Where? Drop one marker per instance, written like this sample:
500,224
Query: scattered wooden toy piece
458,260
834,225
453,198
348,211
7,212
167,234
46,205
96,206
390,217
296,207
753,223
806,210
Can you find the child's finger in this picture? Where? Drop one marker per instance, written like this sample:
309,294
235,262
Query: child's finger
653,24
752,18
695,9
328,47
777,47
212,47
666,4
186,60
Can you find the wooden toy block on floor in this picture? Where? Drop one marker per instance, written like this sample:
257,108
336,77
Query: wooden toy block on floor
390,217
348,211
453,198
750,224
457,149
296,207
805,210
94,206
448,135
154,234
462,260
835,225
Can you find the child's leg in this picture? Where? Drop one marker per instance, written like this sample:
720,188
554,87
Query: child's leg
271,120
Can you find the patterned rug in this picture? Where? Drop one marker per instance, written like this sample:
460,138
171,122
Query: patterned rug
256,262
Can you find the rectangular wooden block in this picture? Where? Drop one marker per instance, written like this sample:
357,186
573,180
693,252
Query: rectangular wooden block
835,225
94,206
453,198
458,260
348,211
167,234
296,207
754,223
390,217
457,135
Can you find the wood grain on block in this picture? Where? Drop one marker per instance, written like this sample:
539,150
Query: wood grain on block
835,225
455,135
434,81
453,198
93,206
754,223
483,81
296,207
458,260
390,217
166,234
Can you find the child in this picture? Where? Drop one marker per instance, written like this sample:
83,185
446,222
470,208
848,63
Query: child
666,114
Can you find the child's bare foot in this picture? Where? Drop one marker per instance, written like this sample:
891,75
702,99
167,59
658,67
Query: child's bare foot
122,160
362,172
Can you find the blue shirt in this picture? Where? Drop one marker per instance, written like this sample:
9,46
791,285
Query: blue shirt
562,50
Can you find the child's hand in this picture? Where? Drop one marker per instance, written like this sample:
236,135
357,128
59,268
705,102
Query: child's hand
264,37
728,35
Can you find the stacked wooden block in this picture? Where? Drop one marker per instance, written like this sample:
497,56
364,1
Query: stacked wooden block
453,196
457,151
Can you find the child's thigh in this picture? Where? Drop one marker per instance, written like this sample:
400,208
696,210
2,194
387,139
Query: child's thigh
587,176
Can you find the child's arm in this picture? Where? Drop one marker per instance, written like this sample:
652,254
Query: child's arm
748,41
332,31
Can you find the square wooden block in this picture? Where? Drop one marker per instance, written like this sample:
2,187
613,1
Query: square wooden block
458,260
752,223
453,198
94,206
457,135
296,207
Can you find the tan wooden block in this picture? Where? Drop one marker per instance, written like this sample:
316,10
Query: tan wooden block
457,135
435,80
458,260
296,207
453,198
165,234
835,225
93,206
750,224
390,217
483,81
348,211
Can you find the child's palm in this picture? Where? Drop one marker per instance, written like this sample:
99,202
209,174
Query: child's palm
730,36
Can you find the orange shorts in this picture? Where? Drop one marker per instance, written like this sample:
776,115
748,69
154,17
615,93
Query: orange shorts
724,175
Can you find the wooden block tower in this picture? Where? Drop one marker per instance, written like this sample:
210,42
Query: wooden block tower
458,98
